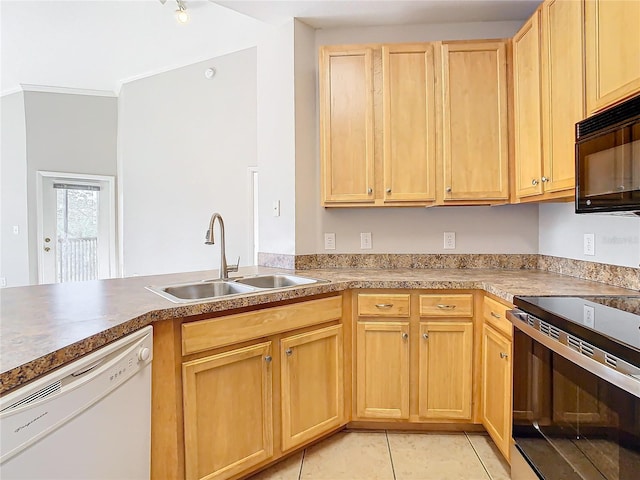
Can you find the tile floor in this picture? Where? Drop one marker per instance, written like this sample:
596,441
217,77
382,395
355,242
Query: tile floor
357,455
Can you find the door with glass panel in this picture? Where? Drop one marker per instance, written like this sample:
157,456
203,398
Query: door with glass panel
76,230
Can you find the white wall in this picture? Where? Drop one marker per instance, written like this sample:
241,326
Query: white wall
185,145
66,133
504,229
276,139
617,238
14,256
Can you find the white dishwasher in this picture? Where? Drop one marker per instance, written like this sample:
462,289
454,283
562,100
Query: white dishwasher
90,419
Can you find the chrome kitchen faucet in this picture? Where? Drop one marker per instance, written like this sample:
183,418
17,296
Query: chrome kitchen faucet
210,240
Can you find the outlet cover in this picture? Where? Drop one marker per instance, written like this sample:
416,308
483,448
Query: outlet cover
589,244
589,316
449,240
365,241
329,241
3,281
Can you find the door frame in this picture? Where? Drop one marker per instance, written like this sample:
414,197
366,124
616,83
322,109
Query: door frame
109,182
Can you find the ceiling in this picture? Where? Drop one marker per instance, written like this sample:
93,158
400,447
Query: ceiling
359,13
100,44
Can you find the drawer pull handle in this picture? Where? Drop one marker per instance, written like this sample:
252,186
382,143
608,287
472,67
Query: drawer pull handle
496,315
425,336
405,335
503,355
288,351
384,305
445,306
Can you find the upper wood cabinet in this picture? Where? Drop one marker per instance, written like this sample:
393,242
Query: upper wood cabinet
346,125
612,51
475,146
548,100
527,109
562,92
409,123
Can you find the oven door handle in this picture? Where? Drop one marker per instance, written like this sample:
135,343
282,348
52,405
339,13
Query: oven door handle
628,382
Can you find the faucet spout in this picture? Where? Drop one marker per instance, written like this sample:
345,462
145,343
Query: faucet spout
210,240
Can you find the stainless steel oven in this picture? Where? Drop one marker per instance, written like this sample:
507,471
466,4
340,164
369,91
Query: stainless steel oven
608,161
576,388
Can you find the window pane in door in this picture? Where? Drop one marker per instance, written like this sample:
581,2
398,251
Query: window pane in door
77,232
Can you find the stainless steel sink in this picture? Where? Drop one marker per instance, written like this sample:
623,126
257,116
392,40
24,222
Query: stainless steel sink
277,281
188,292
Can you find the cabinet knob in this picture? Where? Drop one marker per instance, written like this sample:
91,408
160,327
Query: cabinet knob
405,335
534,182
425,336
448,189
544,179
288,351
369,190
268,359
388,190
503,355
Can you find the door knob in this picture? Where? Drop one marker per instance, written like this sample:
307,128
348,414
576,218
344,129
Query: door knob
46,249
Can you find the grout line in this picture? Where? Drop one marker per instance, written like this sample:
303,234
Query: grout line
304,452
478,455
393,470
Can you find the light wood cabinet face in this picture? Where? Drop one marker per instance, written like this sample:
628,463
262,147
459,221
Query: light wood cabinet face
526,93
475,128
445,370
312,385
612,50
382,379
227,400
346,125
409,134
562,90
496,391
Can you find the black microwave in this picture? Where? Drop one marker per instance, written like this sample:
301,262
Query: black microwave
608,160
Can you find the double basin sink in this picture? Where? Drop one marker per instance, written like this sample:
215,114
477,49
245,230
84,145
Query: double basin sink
212,289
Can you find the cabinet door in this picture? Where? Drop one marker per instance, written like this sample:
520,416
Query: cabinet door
526,108
346,125
382,378
409,129
496,387
612,51
562,91
227,412
312,385
475,129
445,375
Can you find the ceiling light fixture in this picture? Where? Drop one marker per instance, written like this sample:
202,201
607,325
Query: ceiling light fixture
182,15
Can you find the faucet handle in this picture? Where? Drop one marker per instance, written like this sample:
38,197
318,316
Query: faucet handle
234,268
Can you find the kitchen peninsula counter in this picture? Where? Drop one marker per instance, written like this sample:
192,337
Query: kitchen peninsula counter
45,326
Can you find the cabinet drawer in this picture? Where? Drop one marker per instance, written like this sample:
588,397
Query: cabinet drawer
451,305
381,305
218,332
495,314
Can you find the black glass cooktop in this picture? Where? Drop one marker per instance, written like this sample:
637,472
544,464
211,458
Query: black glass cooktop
609,322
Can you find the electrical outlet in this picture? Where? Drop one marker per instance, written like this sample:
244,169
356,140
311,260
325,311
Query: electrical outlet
589,244
329,241
3,282
589,316
449,240
365,241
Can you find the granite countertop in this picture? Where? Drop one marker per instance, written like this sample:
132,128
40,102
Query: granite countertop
45,326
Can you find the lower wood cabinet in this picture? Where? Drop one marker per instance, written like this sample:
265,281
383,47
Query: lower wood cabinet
496,387
445,370
228,412
382,377
312,386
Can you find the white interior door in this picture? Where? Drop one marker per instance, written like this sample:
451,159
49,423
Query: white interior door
76,232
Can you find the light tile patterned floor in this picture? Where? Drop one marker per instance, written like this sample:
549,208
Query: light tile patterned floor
358,455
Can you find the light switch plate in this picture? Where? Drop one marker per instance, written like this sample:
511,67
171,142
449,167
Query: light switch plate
276,208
